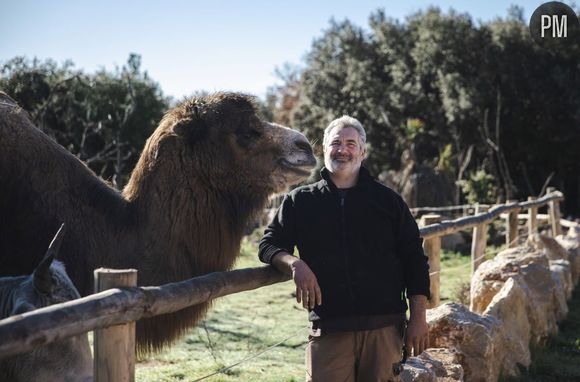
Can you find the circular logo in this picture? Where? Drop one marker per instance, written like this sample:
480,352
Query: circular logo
554,25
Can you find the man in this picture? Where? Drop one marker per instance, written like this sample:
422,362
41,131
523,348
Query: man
360,253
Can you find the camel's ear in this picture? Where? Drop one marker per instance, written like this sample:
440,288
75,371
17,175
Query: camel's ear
192,127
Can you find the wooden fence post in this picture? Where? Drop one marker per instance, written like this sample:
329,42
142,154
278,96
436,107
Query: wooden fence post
479,240
511,236
532,217
114,347
432,248
554,214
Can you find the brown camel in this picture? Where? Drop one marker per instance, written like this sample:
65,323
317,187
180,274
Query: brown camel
204,173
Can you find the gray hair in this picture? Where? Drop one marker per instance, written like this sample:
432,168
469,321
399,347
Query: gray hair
342,122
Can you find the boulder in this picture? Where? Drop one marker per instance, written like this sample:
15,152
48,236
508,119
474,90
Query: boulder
543,288
564,270
549,246
522,293
416,371
490,276
571,242
475,338
574,231
575,266
542,299
511,307
437,364
563,286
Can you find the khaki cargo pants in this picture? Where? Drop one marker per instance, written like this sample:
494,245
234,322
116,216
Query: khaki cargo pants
361,356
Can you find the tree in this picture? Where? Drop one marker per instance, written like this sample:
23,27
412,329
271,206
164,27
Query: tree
104,118
458,97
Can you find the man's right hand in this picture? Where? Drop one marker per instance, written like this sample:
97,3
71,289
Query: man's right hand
307,289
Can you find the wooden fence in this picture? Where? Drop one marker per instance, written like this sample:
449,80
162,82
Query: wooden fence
432,229
115,310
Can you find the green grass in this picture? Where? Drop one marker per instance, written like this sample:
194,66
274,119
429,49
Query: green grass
247,323
454,277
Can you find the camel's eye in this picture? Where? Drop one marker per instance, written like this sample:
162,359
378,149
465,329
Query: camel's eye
248,135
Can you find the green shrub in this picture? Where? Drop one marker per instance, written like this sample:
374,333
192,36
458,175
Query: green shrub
479,187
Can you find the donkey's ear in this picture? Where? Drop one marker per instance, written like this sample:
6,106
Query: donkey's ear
41,275
191,127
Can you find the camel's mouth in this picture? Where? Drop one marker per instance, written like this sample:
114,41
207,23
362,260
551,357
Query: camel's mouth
302,169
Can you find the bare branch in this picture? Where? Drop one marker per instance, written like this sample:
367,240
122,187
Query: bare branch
543,190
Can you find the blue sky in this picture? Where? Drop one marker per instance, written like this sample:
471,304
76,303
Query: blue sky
193,45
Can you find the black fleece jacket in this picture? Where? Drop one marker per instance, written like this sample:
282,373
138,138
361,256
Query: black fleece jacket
364,247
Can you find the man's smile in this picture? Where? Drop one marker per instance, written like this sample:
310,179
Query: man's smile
342,158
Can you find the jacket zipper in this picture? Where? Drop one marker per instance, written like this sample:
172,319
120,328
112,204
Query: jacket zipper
344,252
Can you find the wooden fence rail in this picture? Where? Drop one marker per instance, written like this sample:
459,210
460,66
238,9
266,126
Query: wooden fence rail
450,226
432,233
125,305
24,332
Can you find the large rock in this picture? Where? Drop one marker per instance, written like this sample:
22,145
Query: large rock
543,290
562,278
564,270
441,365
490,276
511,307
522,294
416,371
574,231
475,338
549,246
542,299
571,242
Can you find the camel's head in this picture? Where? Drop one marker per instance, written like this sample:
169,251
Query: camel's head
223,140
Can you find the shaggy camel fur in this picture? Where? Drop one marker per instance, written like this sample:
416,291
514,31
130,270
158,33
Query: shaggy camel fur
204,173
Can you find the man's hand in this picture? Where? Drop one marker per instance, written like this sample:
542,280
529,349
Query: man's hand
307,289
417,336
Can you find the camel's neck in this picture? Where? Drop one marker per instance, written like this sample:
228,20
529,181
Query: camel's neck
187,224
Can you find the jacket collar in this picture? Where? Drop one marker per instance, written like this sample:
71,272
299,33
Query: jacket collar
364,178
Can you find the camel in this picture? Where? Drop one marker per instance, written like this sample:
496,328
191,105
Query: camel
204,173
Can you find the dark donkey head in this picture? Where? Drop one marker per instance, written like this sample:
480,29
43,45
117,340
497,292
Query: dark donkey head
65,360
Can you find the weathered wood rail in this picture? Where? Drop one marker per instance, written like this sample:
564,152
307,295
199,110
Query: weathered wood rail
433,229
125,305
116,306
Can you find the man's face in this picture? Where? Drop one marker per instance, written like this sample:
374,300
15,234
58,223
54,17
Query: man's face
343,151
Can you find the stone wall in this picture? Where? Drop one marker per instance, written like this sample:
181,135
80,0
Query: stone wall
517,300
